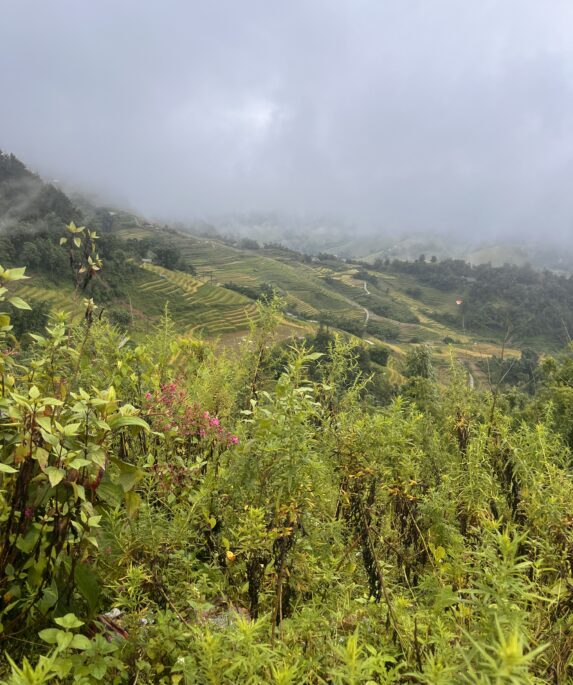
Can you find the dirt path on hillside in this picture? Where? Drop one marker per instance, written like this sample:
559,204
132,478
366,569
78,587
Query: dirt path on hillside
366,310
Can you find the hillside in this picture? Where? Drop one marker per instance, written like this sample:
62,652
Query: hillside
175,512
211,284
222,462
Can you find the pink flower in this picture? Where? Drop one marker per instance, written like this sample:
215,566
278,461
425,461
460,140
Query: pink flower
215,421
147,395
234,439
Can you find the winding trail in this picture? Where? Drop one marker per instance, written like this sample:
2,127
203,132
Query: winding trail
355,304
366,310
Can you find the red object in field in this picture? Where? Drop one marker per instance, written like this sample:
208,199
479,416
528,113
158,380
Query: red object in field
459,301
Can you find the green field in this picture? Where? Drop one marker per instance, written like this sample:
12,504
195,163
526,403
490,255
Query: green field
399,310
207,309
311,289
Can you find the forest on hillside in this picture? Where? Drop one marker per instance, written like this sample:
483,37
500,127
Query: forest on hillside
171,512
526,302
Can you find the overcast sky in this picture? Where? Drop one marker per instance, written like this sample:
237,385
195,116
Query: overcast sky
402,114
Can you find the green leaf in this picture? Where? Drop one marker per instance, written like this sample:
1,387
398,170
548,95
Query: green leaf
64,639
78,463
27,543
313,356
117,422
132,503
129,475
80,642
79,491
51,402
4,468
69,621
88,585
49,598
50,635
71,429
41,456
44,422
55,475
19,303
110,493
62,667
14,274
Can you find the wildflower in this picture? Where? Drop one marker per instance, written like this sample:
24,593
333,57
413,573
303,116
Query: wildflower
214,421
234,439
28,511
147,395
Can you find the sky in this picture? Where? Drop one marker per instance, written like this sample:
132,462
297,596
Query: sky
425,115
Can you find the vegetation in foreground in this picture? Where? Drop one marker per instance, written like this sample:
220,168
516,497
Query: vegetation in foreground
170,514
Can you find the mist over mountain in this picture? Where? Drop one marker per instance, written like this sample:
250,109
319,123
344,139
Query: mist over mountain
328,234
392,117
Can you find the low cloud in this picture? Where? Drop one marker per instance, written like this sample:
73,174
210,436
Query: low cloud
395,115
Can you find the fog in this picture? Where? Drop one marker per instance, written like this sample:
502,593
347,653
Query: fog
395,115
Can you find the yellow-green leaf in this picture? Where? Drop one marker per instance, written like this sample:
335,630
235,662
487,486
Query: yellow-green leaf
19,303
55,475
117,422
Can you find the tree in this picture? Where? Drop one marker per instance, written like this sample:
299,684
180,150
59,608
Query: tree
419,363
249,244
30,255
167,256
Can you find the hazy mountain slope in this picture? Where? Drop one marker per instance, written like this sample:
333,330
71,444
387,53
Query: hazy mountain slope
210,284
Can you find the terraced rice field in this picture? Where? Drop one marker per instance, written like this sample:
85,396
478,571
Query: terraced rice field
301,306
206,309
133,233
59,300
202,305
301,282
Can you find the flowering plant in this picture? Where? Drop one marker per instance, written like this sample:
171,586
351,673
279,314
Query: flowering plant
170,411
193,434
